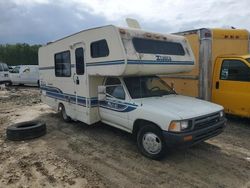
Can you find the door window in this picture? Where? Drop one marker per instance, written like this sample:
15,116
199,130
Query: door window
234,70
114,88
79,61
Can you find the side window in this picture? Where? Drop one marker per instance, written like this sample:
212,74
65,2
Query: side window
99,49
62,64
114,88
1,68
79,56
5,67
234,70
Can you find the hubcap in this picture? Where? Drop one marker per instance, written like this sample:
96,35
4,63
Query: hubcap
151,143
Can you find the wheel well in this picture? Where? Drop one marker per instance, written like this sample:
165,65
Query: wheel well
139,123
59,105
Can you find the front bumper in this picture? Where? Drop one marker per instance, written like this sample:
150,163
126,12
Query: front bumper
193,137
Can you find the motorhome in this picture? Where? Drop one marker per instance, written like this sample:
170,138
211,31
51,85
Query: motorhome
108,74
25,75
4,74
222,69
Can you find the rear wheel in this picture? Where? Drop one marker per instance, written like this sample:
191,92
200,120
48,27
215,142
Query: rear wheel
151,143
63,113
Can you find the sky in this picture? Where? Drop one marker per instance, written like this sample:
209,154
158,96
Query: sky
42,21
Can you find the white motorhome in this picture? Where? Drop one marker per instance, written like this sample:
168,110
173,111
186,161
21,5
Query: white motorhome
108,74
25,75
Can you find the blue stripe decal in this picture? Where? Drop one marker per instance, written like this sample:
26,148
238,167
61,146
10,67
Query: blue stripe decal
53,67
117,106
110,104
117,62
140,62
152,62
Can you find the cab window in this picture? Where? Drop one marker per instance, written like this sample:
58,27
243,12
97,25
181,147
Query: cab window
234,70
114,88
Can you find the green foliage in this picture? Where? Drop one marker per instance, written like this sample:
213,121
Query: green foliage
19,54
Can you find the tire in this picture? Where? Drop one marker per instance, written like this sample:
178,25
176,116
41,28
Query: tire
26,130
63,113
151,143
8,83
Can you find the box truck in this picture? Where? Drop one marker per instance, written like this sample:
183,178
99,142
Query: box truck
222,69
108,74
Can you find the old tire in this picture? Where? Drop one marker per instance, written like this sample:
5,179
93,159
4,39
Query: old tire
63,113
151,143
26,130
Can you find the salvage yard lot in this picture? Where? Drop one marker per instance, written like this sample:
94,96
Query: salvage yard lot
77,155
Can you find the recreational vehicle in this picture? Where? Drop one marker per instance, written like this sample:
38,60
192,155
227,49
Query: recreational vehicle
108,74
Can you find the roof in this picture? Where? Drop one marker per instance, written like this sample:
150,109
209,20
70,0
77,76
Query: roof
244,56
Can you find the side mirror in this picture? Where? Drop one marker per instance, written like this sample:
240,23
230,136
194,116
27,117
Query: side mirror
101,93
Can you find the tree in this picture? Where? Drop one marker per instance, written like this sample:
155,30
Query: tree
19,54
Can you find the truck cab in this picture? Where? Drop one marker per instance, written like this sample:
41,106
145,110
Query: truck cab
231,84
160,118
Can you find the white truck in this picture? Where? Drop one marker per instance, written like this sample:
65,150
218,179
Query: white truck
108,74
25,75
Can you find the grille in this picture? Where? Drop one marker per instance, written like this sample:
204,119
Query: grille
206,121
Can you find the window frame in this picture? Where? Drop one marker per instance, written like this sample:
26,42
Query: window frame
115,85
66,51
91,52
221,67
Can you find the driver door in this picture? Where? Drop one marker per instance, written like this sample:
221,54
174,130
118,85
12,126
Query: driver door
113,109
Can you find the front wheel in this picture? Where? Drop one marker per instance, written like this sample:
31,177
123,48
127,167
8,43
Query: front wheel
151,143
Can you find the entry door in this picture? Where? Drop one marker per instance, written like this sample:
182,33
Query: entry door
113,110
79,82
231,86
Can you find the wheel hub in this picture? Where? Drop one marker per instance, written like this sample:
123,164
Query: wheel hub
151,143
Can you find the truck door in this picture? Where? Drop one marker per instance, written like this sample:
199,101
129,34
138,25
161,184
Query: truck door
112,110
79,82
231,86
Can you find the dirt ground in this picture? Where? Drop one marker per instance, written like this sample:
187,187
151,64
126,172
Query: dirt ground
78,155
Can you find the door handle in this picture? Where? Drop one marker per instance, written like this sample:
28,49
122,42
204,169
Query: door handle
217,85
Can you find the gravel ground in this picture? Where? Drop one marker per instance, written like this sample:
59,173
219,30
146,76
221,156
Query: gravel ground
78,155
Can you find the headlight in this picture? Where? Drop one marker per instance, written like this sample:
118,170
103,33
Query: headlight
221,114
178,126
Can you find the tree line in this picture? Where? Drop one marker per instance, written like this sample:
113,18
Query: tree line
19,54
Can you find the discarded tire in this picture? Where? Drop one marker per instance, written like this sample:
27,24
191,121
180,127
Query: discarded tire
26,130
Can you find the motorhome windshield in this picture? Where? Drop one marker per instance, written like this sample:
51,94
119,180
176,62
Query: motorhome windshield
147,86
151,46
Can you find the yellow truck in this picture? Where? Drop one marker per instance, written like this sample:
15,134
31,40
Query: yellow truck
222,69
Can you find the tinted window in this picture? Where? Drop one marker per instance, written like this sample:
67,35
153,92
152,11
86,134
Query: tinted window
150,46
79,61
234,70
62,64
99,49
147,86
112,81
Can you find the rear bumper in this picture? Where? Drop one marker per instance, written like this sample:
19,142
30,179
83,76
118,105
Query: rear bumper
190,138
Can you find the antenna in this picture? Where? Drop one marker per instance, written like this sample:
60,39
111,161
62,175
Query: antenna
133,23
